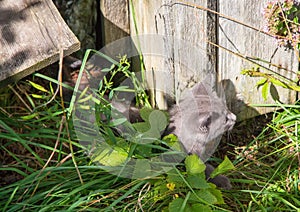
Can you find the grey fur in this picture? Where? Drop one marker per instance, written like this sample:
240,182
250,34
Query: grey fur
199,120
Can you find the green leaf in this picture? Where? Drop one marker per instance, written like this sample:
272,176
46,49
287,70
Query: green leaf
144,150
225,166
198,181
110,157
111,94
274,93
141,126
278,82
175,177
145,113
204,194
173,142
176,204
218,194
295,20
36,96
264,91
158,120
105,70
200,208
31,116
36,86
142,169
261,82
295,88
122,88
117,122
194,165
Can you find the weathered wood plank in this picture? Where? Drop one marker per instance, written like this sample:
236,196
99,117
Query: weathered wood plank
187,29
32,32
115,20
253,44
182,30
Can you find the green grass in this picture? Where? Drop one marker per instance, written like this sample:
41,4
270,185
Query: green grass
51,172
267,177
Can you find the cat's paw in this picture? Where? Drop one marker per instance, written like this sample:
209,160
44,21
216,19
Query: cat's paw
221,181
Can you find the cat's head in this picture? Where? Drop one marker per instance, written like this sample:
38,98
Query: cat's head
200,118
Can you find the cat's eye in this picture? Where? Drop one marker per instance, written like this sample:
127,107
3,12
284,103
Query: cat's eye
226,119
207,121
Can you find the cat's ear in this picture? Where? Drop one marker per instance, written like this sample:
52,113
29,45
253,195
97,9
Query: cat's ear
210,81
207,86
212,85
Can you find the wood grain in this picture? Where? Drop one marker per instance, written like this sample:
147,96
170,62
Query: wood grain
32,33
251,44
190,37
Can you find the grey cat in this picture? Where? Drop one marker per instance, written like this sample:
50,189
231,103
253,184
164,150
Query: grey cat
199,120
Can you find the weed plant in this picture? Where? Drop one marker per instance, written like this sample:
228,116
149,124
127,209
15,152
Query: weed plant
51,170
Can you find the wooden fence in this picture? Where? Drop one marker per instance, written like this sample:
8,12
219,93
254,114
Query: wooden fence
219,36
228,34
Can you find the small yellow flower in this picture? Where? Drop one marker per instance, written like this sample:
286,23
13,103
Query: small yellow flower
171,186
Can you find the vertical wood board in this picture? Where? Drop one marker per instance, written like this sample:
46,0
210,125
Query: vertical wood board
182,28
115,20
251,44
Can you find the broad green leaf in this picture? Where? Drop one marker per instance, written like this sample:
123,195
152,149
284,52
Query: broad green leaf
142,169
274,93
141,126
204,194
36,86
225,166
176,204
175,177
194,165
218,194
145,113
200,208
198,181
264,91
110,157
173,142
144,150
158,120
